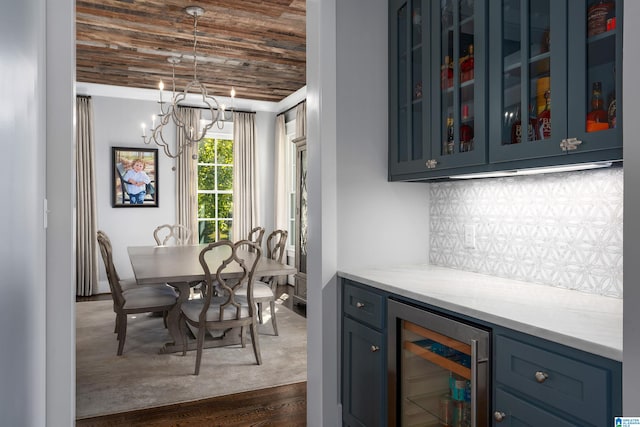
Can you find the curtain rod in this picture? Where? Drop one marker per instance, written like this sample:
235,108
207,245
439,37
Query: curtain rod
291,108
231,111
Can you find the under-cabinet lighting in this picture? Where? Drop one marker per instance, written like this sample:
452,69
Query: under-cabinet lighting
534,171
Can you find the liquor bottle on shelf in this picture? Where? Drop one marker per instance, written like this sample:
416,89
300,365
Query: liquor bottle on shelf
516,127
597,17
611,110
449,144
466,66
466,131
446,73
544,118
597,119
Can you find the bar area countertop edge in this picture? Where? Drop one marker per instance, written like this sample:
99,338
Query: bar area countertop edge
583,321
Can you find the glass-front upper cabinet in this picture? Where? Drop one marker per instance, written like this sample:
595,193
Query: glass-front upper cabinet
437,56
528,78
409,74
596,90
459,119
550,93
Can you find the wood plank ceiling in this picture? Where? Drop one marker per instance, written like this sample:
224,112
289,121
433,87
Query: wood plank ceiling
256,46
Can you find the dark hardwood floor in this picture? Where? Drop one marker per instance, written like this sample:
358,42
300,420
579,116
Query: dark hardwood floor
278,406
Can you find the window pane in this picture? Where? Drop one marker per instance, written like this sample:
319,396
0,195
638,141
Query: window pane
225,177
206,178
206,205
207,231
206,150
224,230
225,205
225,151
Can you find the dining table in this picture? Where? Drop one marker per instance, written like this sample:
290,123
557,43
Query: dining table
179,266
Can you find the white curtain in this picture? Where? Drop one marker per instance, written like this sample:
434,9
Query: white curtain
301,119
86,224
280,175
245,200
186,179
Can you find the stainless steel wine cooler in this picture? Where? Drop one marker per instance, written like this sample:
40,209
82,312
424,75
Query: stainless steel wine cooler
438,370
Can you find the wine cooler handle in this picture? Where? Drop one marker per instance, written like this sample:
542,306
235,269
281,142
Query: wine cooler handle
474,383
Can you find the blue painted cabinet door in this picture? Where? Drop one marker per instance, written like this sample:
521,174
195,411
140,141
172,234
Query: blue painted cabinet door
363,373
546,61
437,89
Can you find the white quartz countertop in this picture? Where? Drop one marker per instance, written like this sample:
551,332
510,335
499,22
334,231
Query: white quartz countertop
583,321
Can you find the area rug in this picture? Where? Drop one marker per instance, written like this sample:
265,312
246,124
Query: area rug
142,378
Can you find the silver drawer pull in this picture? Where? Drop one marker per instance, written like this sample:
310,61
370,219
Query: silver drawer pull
541,376
359,304
374,348
499,416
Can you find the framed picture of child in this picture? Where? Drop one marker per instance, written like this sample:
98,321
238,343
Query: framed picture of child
135,177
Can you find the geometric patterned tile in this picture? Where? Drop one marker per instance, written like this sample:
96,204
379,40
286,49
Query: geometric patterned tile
562,229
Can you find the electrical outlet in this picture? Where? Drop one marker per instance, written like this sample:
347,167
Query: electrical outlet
470,236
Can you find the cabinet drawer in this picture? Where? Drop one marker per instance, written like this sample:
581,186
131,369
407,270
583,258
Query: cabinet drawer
364,305
571,386
518,412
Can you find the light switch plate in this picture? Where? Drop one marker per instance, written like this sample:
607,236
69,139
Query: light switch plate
470,236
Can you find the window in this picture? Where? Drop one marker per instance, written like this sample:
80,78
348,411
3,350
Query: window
290,130
215,189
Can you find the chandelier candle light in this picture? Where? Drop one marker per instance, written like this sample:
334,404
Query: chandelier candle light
214,112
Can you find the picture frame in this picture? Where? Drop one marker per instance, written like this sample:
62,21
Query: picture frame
123,168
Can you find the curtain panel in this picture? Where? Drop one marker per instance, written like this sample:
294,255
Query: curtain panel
186,178
280,175
245,199
301,119
86,223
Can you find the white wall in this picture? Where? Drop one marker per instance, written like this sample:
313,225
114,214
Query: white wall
631,106
22,254
356,217
117,124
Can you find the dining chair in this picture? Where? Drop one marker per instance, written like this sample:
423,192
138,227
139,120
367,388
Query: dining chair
222,309
142,299
176,234
265,289
256,235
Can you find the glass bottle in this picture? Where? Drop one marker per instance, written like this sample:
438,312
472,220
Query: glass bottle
446,73
532,127
611,110
597,119
466,131
449,143
466,66
597,16
544,118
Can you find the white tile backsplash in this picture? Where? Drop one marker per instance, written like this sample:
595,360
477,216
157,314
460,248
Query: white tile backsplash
562,229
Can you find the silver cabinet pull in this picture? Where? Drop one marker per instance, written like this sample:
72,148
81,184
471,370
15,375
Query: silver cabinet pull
499,416
359,304
569,144
374,348
431,163
541,376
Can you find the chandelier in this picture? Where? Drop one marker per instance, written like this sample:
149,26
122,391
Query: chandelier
170,112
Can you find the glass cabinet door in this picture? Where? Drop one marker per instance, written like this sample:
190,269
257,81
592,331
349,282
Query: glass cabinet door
593,116
459,131
409,91
528,78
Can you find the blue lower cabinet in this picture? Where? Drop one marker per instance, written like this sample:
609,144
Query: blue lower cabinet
517,412
364,371
538,383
